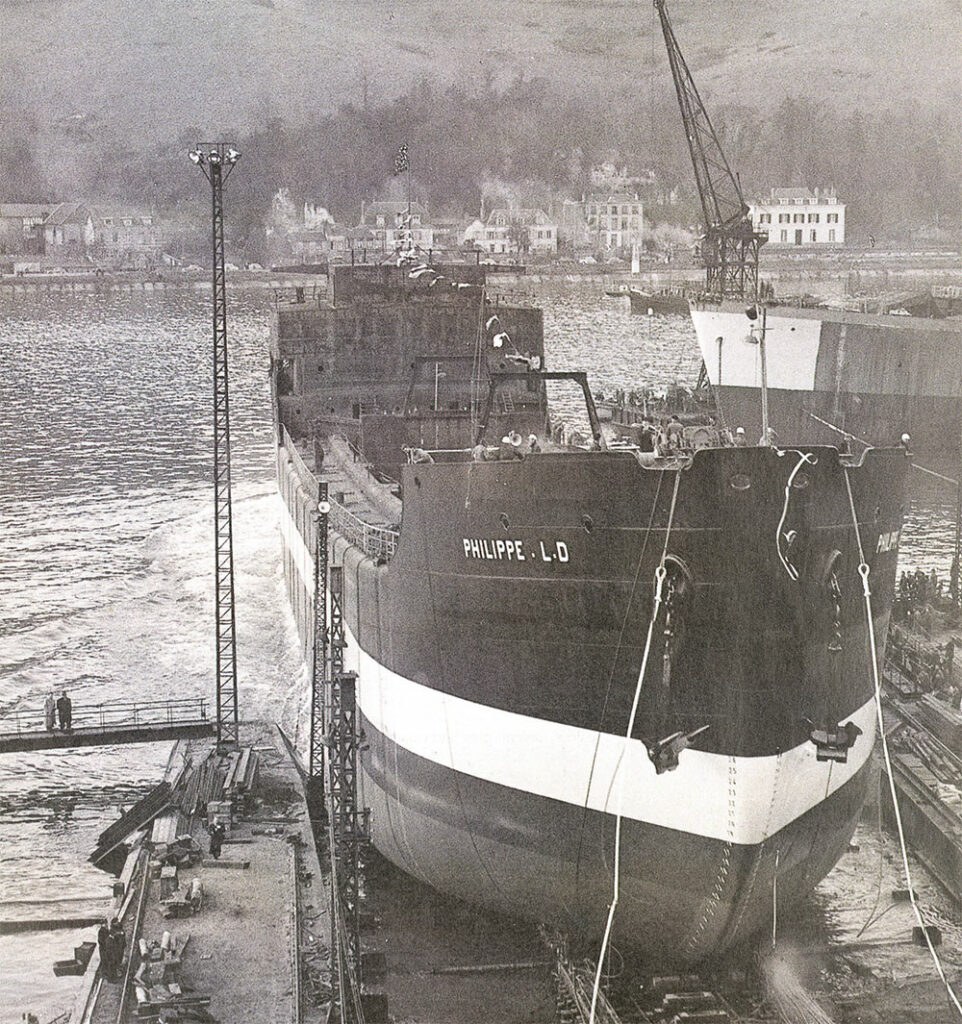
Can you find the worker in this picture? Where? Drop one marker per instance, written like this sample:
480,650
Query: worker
479,453
65,712
741,440
675,432
905,441
511,447
419,455
646,436
103,944
49,710
216,839
116,944
533,444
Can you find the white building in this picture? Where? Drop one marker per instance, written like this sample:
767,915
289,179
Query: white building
397,224
514,231
615,220
797,216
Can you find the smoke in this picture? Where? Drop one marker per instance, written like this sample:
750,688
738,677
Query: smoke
780,970
525,194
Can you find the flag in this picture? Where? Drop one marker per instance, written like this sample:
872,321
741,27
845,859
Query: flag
401,159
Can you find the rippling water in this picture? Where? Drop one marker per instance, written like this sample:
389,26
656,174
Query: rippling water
106,586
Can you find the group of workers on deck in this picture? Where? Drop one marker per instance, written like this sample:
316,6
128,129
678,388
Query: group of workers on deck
667,438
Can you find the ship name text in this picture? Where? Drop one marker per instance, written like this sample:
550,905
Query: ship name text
502,550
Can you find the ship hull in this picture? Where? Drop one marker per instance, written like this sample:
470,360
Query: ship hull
874,377
694,881
658,303
494,693
683,897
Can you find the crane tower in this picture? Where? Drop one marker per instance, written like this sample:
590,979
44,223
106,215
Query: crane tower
729,249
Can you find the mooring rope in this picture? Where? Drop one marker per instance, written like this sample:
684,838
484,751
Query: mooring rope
803,457
863,571
660,573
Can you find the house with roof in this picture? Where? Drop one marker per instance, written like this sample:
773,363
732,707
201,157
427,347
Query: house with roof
125,236
798,216
398,223
68,230
21,227
514,230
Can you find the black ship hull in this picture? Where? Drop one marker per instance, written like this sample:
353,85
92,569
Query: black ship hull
495,690
519,614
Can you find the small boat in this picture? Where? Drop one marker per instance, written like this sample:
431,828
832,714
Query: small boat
658,303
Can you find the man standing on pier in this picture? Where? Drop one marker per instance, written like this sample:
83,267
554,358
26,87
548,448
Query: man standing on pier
216,839
116,945
65,712
103,944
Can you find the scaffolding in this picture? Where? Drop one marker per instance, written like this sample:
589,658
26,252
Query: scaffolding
346,825
319,649
217,160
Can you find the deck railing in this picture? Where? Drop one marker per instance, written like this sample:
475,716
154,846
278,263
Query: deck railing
379,542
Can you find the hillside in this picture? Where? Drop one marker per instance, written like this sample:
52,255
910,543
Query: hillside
84,71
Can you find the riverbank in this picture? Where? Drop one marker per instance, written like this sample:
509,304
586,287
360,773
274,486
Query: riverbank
242,280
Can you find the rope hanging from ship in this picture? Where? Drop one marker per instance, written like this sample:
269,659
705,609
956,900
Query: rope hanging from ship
864,572
661,572
803,458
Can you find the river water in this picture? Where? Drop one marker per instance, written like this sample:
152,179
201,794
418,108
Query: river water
106,533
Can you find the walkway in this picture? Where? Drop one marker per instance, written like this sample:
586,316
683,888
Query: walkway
114,722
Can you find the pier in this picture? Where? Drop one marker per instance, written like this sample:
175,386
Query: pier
107,724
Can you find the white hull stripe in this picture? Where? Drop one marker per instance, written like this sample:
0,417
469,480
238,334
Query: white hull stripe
294,543
737,799
791,349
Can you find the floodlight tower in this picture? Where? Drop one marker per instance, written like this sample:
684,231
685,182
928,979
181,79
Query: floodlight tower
217,160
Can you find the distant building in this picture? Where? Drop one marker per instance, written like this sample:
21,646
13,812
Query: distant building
21,227
124,236
511,230
616,177
394,224
319,243
68,230
615,220
448,233
797,216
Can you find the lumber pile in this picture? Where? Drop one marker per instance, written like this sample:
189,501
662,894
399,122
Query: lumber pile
77,964
112,839
157,984
224,780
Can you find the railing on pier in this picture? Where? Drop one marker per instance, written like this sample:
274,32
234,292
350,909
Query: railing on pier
109,715
379,542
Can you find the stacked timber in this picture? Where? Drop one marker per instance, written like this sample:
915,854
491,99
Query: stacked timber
111,842
173,805
77,964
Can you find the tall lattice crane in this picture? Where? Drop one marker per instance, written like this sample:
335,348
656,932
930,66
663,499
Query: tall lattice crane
729,249
217,160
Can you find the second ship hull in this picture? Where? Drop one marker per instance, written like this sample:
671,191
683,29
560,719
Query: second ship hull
875,377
